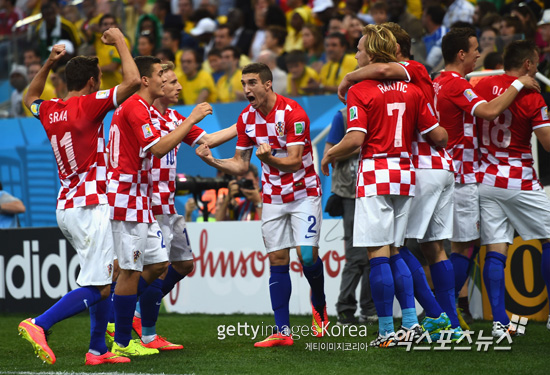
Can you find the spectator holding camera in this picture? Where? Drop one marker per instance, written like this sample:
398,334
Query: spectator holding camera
250,206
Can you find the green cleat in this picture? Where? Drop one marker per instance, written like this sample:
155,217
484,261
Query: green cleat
134,348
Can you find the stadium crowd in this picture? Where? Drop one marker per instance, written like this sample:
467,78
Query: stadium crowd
309,45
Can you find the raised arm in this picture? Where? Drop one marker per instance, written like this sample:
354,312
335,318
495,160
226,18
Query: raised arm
236,166
490,110
290,163
219,137
378,71
130,73
39,81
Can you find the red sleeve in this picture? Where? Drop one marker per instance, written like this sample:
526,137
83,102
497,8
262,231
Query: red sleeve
357,115
426,116
540,116
297,128
194,135
463,95
139,119
243,140
97,105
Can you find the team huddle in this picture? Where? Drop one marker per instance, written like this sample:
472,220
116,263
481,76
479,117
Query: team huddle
421,175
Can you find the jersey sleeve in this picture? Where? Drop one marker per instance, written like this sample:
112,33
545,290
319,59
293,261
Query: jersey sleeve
193,136
139,119
357,115
464,96
99,103
427,121
244,142
406,66
297,128
337,128
539,111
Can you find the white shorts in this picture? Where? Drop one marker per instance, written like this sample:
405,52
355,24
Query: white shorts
175,237
431,215
503,210
465,213
292,224
381,220
88,229
137,244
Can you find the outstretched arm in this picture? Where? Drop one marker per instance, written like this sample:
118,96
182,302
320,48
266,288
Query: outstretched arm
39,81
236,166
219,137
378,71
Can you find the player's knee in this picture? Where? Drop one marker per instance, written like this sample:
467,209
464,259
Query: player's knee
184,268
105,290
308,258
157,269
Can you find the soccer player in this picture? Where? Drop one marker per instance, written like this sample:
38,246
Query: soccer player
382,117
510,195
457,103
175,238
74,126
133,139
431,207
291,215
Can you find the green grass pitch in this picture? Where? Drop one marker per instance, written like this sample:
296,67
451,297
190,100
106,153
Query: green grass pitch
204,353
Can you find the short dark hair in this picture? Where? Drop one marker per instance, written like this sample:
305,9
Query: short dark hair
196,54
145,65
261,69
341,37
514,22
175,34
279,33
105,16
401,36
517,52
214,52
168,53
454,41
228,27
79,70
436,13
296,56
492,60
235,50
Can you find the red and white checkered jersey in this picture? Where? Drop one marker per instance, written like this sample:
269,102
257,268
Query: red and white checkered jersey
163,171
286,125
75,130
424,154
388,112
505,142
455,103
131,135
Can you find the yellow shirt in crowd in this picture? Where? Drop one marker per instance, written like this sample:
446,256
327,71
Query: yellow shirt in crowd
309,74
332,72
227,87
193,87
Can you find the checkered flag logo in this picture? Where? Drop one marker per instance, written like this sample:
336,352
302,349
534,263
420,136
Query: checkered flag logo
518,324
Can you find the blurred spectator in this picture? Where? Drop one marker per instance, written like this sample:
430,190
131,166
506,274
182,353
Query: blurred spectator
133,11
299,4
336,24
323,11
353,26
47,94
59,82
274,42
528,21
31,55
491,19
544,29
198,85
242,37
165,55
338,63
9,208
458,10
487,44
223,37
229,86
185,11
89,25
148,25
432,20
53,28
492,61
162,11
314,47
379,12
301,79
145,44
18,80
171,40
9,15
247,209
294,38
210,5
109,59
511,29
258,39
203,32
399,14
480,10
215,61
279,76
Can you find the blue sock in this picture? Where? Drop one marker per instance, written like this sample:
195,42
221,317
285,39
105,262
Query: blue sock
112,309
545,263
124,314
493,277
142,285
316,279
461,267
171,279
99,315
422,290
138,308
71,304
149,302
444,284
279,291
383,292
404,290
